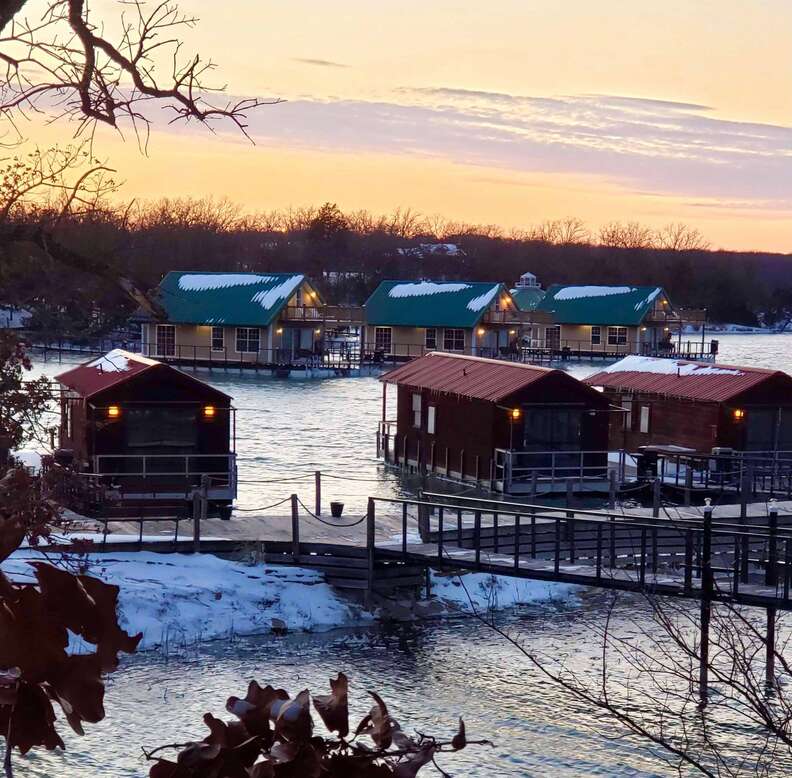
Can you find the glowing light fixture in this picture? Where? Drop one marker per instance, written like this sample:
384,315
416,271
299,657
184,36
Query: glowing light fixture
113,412
481,330
209,411
317,331
739,414
279,331
512,332
516,413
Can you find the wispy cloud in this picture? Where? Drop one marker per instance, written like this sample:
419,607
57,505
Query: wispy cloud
649,145
322,63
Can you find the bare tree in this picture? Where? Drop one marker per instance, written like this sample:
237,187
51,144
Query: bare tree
65,63
562,232
629,235
679,237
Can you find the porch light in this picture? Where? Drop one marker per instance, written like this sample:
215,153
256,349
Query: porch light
739,414
481,331
666,329
317,332
209,411
113,412
512,332
516,413
643,329
279,331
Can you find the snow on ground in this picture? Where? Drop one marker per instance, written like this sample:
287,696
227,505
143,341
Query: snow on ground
179,599
496,591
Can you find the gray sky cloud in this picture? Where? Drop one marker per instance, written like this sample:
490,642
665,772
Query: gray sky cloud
322,63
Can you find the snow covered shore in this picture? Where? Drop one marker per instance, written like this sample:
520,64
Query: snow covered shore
179,599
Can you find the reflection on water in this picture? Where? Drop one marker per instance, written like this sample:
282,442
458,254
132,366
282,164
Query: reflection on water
428,675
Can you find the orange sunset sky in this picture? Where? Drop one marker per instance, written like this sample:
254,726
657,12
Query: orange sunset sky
508,112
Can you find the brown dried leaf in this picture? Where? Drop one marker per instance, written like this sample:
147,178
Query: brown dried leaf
293,717
334,707
378,724
409,767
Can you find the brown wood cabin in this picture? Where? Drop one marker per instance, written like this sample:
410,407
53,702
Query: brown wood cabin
147,432
504,425
697,406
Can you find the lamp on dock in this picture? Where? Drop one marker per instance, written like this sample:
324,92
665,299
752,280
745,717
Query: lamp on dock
113,412
739,414
481,330
515,414
209,411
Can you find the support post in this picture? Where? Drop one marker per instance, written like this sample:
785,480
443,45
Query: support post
770,679
295,518
706,602
318,493
370,541
612,490
656,498
203,509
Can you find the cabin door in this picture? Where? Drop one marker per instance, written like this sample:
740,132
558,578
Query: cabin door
548,435
553,338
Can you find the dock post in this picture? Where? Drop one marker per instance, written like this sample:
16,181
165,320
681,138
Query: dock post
771,579
706,602
612,489
570,494
370,542
200,516
770,679
318,501
534,483
656,498
688,485
295,518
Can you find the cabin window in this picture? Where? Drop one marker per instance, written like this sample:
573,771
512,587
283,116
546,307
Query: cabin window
627,415
416,409
68,420
596,336
617,336
552,429
383,339
454,340
247,340
644,423
431,339
161,431
218,338
166,340
431,416
553,337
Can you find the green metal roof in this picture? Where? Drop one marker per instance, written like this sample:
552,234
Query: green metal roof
431,303
241,299
526,298
601,305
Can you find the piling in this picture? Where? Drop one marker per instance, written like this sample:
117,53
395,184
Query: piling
318,493
295,519
707,586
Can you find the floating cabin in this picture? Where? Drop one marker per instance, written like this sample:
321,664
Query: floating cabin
697,406
147,433
503,425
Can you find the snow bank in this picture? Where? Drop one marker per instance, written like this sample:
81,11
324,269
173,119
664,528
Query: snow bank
201,282
483,300
177,599
267,298
636,364
495,591
578,292
422,288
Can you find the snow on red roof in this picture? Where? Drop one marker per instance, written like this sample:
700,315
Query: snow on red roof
99,374
680,378
474,377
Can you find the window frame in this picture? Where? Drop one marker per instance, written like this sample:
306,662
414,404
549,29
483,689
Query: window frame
452,338
431,419
596,335
379,335
615,336
627,405
213,339
417,410
238,340
163,328
433,345
645,419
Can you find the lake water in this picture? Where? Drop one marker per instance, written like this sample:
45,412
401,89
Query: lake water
431,674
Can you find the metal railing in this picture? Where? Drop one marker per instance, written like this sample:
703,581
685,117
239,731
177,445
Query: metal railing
529,469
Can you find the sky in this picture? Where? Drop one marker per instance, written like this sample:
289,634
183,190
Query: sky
509,112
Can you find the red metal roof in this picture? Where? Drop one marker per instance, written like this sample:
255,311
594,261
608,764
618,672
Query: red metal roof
475,377
114,368
700,381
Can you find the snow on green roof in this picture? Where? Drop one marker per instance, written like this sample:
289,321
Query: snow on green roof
430,303
600,305
526,298
242,299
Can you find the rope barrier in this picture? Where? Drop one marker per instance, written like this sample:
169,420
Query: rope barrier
265,508
330,523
